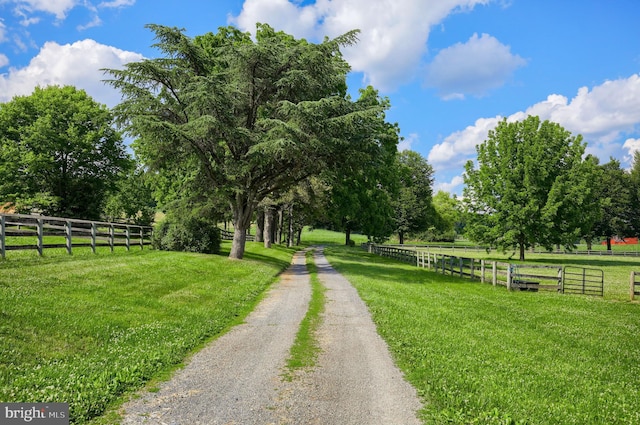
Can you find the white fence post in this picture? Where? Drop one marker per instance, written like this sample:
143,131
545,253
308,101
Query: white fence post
494,273
560,277
128,236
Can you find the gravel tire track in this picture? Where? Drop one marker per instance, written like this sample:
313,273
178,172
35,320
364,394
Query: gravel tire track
238,379
355,381
235,379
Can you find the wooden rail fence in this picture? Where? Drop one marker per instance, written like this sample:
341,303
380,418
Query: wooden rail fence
226,235
76,233
522,277
470,248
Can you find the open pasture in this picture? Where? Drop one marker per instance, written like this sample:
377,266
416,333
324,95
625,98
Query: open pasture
480,354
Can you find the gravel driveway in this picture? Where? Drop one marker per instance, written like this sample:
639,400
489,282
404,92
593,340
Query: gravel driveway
237,379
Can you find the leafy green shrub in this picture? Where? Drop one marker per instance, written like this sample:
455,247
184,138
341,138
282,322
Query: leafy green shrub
189,234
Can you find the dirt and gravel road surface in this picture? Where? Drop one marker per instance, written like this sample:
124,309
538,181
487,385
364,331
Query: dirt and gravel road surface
238,378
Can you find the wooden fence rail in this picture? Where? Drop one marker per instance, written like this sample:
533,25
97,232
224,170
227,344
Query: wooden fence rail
514,276
486,271
76,233
471,248
226,235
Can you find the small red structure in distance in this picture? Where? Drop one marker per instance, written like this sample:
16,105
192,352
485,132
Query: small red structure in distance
621,241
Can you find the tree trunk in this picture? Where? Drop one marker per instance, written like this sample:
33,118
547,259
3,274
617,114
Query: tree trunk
260,226
299,236
280,224
274,226
608,243
401,238
589,242
521,251
242,212
347,232
268,227
238,244
290,235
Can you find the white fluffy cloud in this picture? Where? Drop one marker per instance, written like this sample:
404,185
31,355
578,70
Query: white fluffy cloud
602,115
60,8
475,67
632,146
456,148
75,64
4,60
280,14
451,186
393,36
407,143
117,3
55,7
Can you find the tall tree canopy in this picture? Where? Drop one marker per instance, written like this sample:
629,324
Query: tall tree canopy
412,207
617,202
59,153
363,186
448,220
528,188
133,200
259,115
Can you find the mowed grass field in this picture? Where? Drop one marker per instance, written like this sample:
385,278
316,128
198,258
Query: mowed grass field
89,328
86,328
479,354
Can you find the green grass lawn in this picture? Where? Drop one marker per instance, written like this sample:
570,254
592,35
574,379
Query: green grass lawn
479,354
86,328
306,347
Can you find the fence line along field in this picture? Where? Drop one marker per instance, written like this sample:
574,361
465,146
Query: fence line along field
32,232
606,276
480,354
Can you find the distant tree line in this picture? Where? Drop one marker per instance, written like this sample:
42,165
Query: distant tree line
534,186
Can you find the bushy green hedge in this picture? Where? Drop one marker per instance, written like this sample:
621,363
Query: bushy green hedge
190,234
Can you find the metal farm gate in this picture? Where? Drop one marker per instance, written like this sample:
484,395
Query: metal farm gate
577,280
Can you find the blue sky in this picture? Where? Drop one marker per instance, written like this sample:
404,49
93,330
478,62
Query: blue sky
451,68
